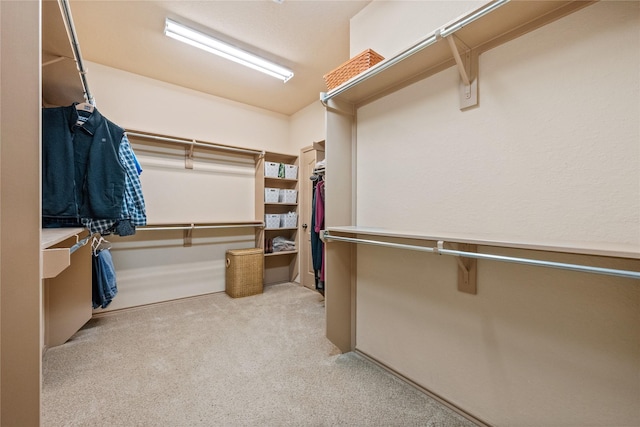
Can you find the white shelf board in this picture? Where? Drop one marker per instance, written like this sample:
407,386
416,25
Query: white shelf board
505,23
584,248
51,236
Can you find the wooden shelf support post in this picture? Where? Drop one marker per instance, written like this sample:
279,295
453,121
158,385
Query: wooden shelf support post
467,64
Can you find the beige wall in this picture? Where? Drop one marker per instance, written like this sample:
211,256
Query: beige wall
534,347
389,27
552,153
307,126
20,286
138,102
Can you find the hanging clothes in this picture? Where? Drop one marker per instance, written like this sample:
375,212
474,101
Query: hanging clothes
320,222
317,224
90,175
104,285
81,173
133,207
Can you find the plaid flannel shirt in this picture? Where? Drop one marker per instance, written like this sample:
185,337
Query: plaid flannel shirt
133,208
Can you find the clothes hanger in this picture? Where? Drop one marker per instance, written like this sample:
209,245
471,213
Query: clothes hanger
99,244
94,246
85,107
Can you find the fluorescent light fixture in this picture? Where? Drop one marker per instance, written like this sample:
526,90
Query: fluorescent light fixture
205,42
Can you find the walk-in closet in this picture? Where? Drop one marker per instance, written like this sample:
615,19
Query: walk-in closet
283,212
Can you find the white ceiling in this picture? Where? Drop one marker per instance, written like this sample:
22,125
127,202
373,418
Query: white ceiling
311,37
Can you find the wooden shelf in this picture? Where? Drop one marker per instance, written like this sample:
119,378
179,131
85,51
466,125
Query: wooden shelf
57,259
281,228
200,224
433,53
275,179
281,204
281,253
52,236
281,157
604,249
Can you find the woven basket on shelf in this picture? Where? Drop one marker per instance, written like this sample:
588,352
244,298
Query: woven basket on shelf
244,273
356,65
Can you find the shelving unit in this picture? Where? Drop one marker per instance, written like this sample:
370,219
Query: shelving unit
278,266
457,43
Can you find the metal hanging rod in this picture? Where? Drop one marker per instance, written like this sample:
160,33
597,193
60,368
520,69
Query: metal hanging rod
197,227
442,251
80,244
53,61
469,19
195,143
433,38
75,46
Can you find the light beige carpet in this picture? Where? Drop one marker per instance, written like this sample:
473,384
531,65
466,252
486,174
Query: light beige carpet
216,361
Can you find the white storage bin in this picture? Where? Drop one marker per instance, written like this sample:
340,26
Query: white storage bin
289,220
291,171
272,221
271,169
288,196
271,195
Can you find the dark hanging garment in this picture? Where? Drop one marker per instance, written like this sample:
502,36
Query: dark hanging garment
317,246
82,176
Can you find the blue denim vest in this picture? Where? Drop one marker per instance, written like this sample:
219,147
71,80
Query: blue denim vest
82,176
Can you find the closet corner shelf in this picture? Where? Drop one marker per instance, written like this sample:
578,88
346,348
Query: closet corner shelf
486,27
281,253
280,228
281,204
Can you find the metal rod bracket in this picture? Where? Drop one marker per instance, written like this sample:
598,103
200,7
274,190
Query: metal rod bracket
467,270
188,155
339,108
187,235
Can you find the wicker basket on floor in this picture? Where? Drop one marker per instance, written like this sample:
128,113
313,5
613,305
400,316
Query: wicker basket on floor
356,65
244,272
